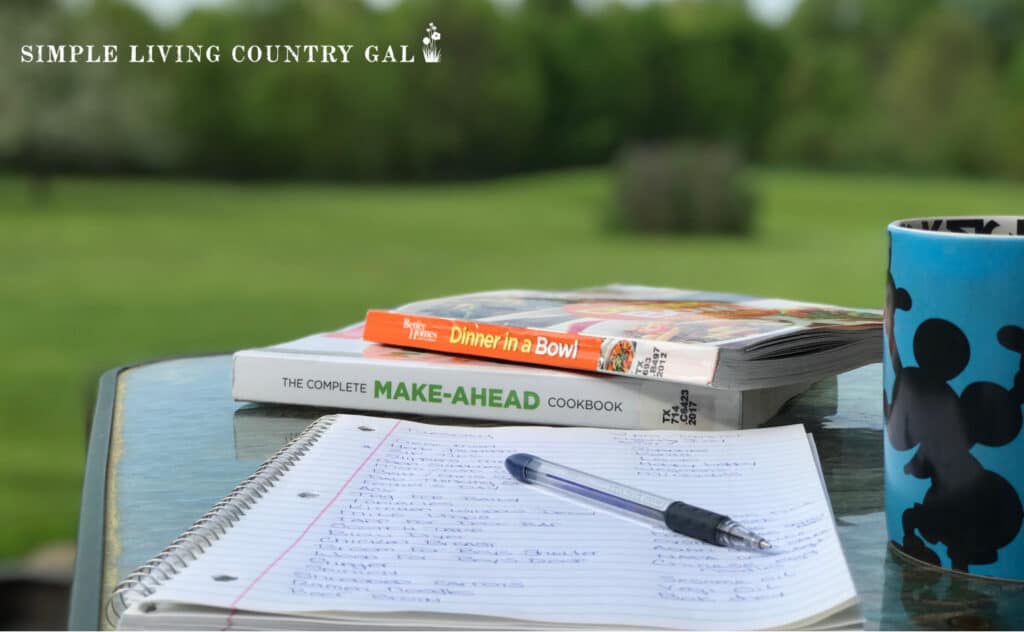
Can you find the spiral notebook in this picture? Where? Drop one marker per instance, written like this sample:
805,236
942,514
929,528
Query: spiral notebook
376,522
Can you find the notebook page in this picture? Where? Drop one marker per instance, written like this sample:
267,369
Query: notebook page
390,517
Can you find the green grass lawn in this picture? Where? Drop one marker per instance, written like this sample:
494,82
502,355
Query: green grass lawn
109,271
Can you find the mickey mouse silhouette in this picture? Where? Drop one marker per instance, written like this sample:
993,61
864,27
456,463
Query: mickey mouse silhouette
973,511
895,298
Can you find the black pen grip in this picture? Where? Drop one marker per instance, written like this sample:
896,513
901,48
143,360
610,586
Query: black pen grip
693,521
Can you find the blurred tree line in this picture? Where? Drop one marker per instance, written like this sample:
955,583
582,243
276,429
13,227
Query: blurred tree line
930,85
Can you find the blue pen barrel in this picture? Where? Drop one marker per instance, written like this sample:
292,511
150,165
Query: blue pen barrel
535,470
704,525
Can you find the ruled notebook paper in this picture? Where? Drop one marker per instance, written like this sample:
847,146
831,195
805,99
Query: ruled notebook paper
394,522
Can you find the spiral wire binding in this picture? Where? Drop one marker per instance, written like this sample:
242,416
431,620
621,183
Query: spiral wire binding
187,547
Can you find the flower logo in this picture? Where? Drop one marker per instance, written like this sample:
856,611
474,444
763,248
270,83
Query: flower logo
431,50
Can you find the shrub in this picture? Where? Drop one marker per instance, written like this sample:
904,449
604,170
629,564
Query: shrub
683,188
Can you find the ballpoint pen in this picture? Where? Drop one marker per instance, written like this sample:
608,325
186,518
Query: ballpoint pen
678,516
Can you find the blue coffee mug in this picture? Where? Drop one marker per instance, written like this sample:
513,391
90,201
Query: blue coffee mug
954,391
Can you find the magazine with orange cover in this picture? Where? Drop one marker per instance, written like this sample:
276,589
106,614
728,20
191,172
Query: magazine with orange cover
715,339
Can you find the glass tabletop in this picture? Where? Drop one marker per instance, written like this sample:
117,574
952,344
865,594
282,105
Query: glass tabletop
178,443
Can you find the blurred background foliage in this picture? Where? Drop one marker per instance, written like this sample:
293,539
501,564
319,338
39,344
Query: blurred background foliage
914,85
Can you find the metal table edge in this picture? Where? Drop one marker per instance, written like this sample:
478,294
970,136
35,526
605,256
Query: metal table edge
86,603
87,584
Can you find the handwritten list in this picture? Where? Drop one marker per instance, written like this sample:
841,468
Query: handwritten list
384,520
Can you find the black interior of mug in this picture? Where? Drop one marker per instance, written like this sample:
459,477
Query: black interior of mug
973,225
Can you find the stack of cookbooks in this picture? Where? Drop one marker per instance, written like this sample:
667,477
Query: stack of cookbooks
618,356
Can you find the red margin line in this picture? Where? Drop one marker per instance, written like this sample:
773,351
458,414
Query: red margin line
281,556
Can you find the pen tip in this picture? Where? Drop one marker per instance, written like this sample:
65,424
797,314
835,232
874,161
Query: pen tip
764,545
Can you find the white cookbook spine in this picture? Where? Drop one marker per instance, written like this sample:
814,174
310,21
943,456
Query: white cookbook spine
495,392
